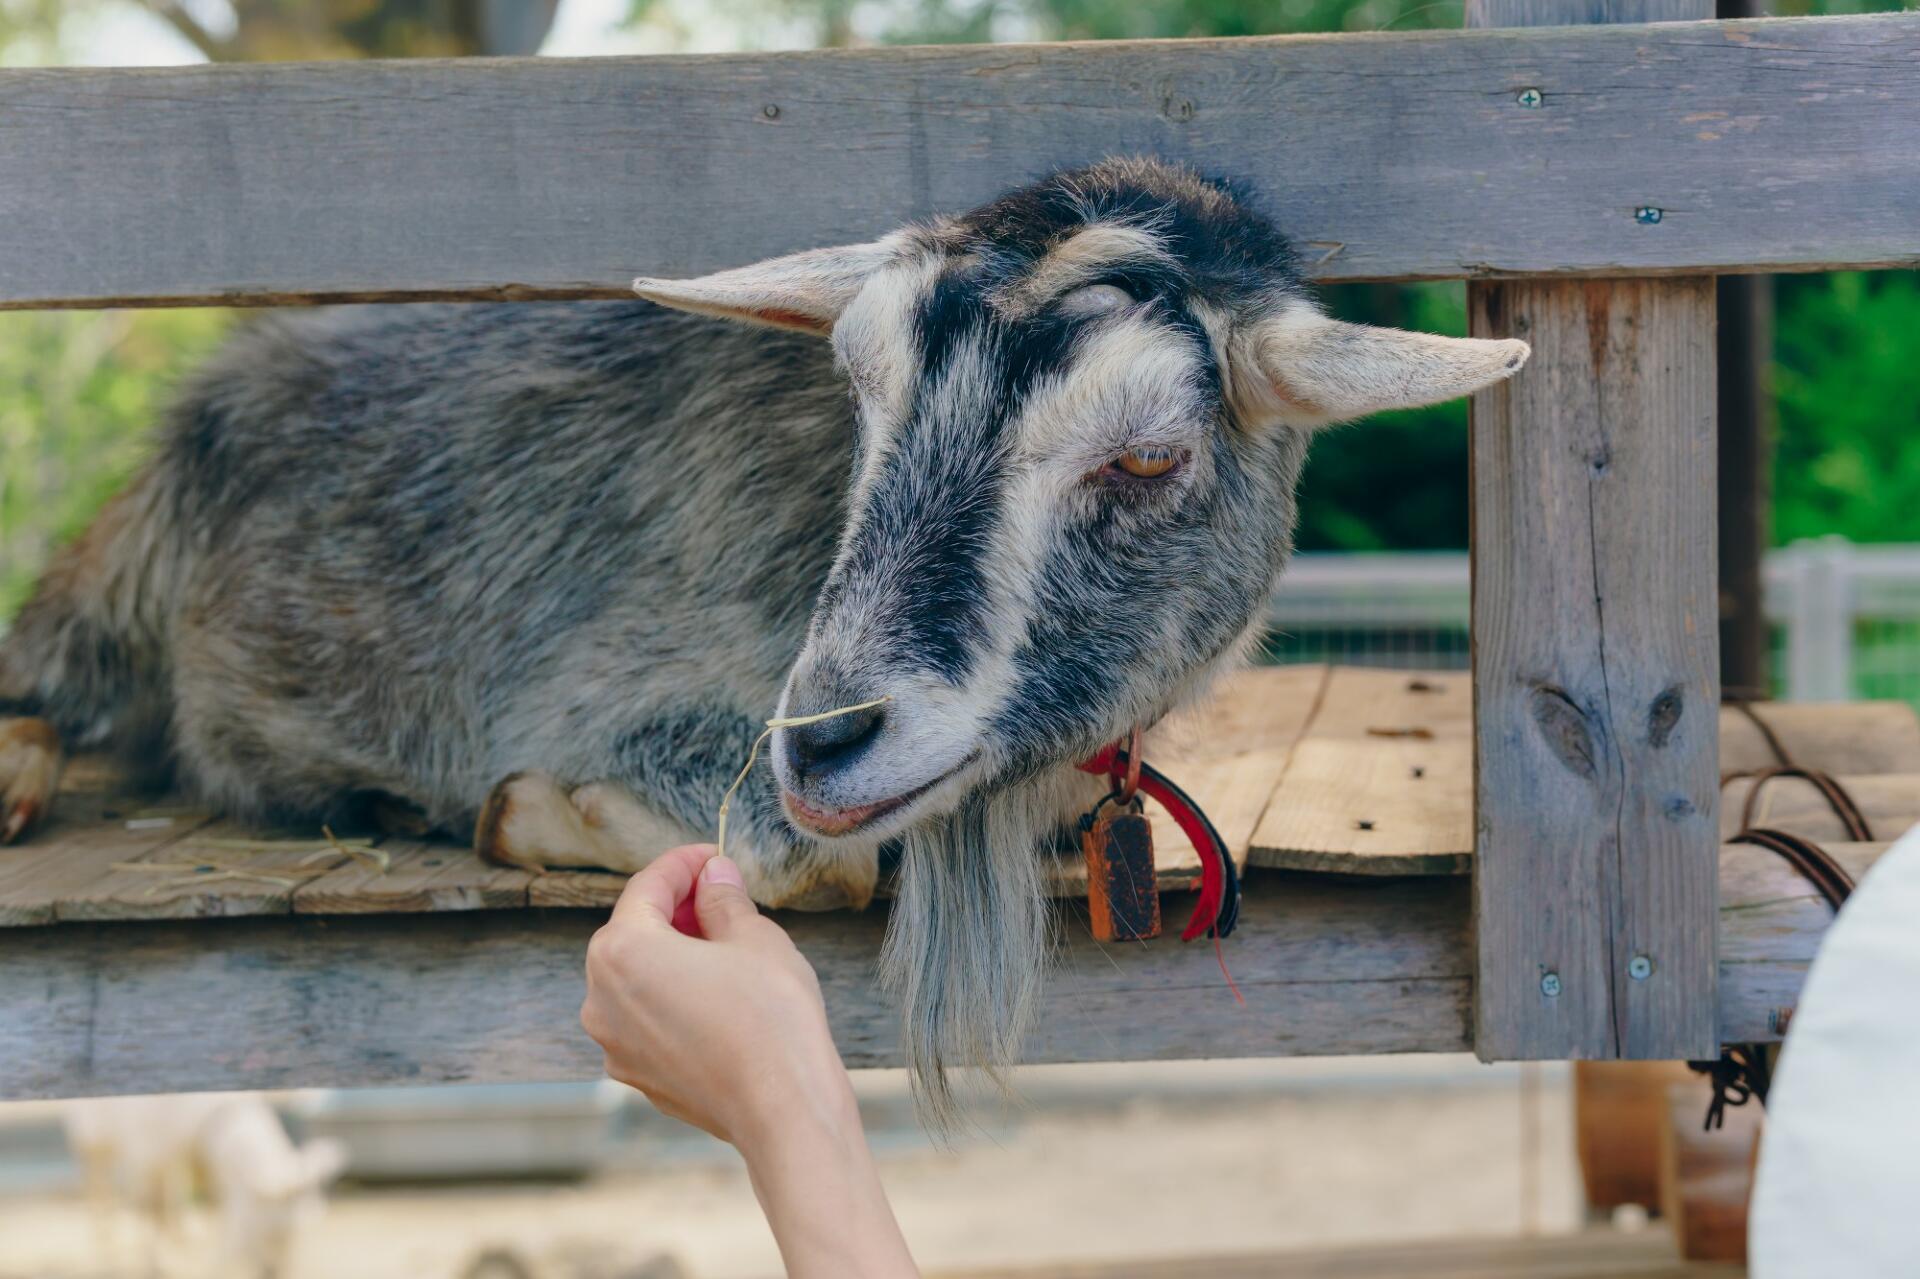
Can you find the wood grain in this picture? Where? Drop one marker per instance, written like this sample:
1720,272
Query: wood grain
1596,681
1328,964
1850,738
1778,145
98,1008
93,825
1596,663
1229,754
214,869
420,876
1381,784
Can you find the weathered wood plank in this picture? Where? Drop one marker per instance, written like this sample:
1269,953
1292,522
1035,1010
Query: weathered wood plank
1382,782
92,826
1779,145
1328,965
1596,680
494,995
1596,654
212,870
418,877
1843,738
1229,754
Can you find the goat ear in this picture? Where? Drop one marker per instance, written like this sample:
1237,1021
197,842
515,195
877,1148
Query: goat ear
803,291
1299,367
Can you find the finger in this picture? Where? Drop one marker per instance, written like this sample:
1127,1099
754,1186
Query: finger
721,899
656,892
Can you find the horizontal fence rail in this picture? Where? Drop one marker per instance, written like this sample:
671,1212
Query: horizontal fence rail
1682,147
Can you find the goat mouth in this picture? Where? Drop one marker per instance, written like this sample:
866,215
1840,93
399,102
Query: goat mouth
835,822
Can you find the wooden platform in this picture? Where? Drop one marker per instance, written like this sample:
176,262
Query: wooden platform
107,854
156,948
1343,770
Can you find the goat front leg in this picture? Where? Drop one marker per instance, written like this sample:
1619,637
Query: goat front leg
531,821
30,762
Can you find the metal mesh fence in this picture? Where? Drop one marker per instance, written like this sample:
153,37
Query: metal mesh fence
1844,619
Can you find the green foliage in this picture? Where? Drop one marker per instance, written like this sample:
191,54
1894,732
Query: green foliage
78,392
29,31
973,21
1846,382
298,30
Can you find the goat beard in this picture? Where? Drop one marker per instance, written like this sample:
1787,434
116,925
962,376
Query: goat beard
969,941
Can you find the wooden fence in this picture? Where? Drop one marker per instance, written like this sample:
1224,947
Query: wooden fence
1589,179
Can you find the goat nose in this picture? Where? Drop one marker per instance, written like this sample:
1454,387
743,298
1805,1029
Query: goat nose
830,744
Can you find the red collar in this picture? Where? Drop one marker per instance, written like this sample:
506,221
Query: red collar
1219,905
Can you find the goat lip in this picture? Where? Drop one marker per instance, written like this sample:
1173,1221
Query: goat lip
841,821
834,822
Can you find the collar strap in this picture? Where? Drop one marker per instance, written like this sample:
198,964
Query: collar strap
1219,906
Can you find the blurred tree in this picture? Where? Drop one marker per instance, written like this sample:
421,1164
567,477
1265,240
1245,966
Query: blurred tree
80,390
943,20
1847,387
286,30
293,30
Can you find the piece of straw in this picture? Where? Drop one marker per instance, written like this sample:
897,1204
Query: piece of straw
209,870
791,721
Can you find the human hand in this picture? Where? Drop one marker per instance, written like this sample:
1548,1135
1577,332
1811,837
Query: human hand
711,1011
717,1018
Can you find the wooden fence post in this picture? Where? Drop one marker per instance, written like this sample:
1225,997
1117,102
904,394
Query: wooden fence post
1595,625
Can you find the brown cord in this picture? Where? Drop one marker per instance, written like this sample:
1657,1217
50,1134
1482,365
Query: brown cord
1744,705
1744,1071
1807,857
1832,791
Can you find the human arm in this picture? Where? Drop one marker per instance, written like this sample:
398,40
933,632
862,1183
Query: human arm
727,1031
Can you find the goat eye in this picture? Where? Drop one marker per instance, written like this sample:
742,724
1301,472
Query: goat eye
1094,299
1147,463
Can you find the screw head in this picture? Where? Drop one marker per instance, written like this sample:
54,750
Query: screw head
1550,985
1639,968
771,111
1647,215
1529,97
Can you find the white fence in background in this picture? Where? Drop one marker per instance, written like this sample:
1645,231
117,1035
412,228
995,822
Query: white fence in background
1845,618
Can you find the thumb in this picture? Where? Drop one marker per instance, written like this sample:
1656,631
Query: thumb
721,899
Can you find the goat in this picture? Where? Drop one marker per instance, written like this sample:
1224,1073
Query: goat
541,570
152,1152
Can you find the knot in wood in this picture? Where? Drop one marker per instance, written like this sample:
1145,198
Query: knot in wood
1566,729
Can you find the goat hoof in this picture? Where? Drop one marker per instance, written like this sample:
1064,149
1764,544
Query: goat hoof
30,763
498,836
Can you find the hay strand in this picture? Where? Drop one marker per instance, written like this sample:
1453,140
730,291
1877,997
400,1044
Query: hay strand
789,721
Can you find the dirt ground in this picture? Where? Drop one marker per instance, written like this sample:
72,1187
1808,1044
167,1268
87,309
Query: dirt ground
1159,1161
